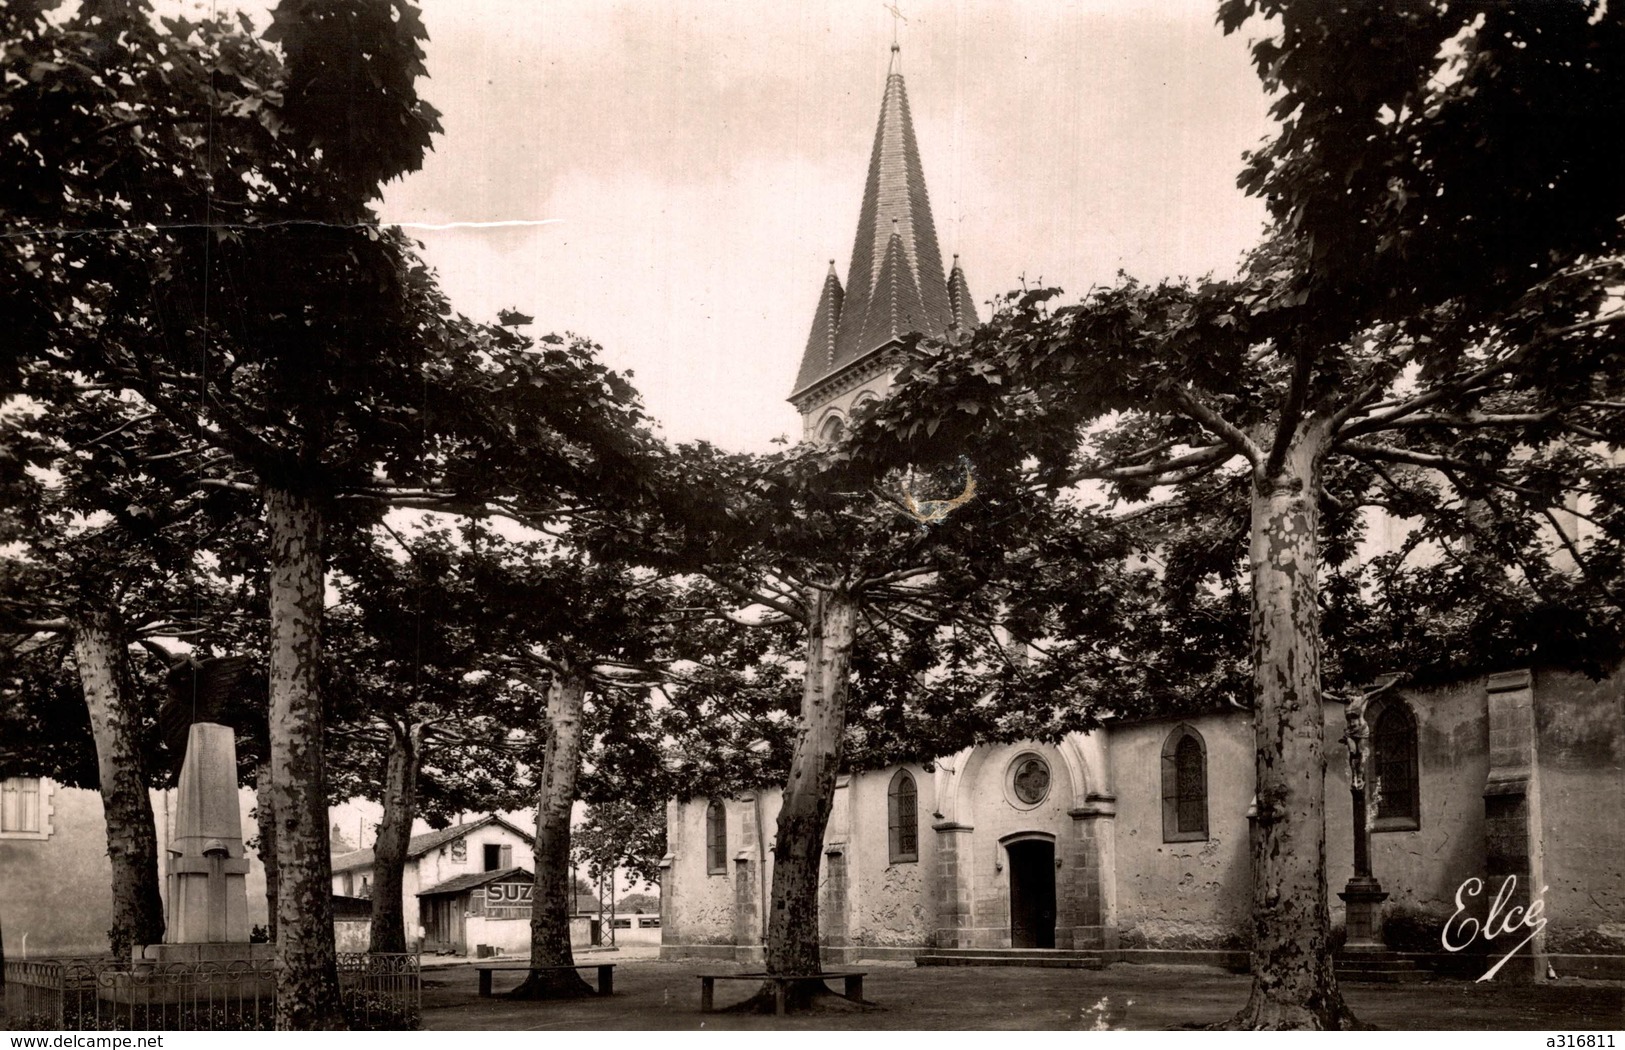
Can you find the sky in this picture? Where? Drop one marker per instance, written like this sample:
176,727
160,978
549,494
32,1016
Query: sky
698,163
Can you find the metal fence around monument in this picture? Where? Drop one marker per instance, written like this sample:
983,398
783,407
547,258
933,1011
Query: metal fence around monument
379,992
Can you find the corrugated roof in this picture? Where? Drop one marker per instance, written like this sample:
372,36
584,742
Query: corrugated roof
881,302
421,844
473,880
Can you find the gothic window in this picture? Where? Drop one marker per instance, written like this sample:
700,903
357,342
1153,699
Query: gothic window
1184,786
24,812
1393,766
716,838
903,818
833,430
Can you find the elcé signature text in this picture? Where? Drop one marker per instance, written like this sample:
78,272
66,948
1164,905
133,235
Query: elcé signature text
1509,922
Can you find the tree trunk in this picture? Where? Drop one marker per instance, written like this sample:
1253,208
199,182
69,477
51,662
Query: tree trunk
307,984
265,817
553,896
1293,982
798,848
394,832
132,840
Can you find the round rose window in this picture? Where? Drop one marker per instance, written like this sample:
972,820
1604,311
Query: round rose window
1031,780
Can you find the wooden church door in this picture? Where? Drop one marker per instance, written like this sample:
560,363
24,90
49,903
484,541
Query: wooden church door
1032,893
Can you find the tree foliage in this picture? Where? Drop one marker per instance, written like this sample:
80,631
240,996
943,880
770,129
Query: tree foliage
1431,332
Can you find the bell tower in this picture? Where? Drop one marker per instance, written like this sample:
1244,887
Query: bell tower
894,286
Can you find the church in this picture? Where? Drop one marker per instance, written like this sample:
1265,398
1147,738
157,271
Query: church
1131,843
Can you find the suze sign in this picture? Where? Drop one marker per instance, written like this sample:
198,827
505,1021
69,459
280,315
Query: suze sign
1463,929
509,895
508,900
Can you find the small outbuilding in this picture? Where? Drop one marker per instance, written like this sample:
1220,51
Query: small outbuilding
482,908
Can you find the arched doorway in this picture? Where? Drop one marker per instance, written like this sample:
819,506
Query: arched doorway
1032,891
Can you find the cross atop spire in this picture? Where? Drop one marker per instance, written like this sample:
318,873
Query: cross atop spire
895,284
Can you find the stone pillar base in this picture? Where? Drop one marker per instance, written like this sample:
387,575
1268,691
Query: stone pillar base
1363,896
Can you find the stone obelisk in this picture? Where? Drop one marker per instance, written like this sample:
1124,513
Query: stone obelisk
208,894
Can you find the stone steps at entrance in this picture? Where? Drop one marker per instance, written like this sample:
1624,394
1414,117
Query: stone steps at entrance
1378,968
1041,957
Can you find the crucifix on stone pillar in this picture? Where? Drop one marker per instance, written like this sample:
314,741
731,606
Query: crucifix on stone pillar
1363,894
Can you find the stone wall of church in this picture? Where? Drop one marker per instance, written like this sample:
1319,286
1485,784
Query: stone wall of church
1183,895
697,906
1580,758
1419,868
996,815
891,902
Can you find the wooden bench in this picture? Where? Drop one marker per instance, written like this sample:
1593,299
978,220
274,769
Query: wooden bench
781,985
606,974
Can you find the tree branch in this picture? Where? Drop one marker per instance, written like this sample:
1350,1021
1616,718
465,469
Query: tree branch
1215,424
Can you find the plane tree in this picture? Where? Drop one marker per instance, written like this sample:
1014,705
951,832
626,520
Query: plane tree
901,618
583,641
1436,310
108,547
239,284
416,727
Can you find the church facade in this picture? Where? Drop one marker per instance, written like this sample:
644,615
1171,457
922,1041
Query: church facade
1133,842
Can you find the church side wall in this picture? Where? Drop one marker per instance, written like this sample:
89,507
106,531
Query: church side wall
1580,753
893,902
1419,869
698,906
1183,895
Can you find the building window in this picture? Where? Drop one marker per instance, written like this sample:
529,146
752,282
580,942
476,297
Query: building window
1393,766
903,818
25,808
833,430
493,857
1184,786
716,838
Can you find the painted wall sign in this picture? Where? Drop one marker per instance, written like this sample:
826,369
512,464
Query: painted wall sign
508,900
509,894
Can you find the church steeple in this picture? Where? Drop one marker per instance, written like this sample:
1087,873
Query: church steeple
895,284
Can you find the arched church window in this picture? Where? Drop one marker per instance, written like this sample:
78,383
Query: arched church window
716,838
1393,766
1184,786
833,430
903,818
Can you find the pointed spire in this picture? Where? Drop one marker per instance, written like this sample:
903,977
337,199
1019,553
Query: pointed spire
960,302
895,284
895,308
894,203
819,357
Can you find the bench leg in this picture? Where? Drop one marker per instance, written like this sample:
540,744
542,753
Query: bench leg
485,984
708,988
780,989
606,980
854,988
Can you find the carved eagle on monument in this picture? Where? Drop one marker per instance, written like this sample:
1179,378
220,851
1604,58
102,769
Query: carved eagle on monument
214,689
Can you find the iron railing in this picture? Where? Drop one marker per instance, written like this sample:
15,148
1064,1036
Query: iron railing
380,992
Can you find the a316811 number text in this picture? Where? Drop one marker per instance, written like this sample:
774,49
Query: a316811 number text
1581,1041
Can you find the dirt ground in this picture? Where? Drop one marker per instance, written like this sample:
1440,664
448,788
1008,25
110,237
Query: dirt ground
655,995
